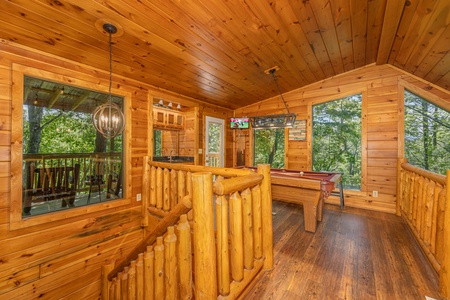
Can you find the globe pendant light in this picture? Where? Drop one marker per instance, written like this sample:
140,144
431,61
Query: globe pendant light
108,118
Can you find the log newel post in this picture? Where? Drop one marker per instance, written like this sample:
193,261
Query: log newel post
444,273
400,183
204,239
266,205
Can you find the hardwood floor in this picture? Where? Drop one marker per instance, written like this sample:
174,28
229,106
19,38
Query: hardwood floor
355,254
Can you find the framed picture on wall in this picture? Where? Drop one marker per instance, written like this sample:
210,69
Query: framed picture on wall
298,132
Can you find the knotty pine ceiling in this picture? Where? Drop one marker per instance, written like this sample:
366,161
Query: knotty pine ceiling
217,51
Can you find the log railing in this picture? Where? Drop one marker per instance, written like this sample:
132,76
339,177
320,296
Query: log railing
422,201
231,223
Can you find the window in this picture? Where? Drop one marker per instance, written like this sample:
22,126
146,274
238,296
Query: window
66,163
337,139
269,147
427,134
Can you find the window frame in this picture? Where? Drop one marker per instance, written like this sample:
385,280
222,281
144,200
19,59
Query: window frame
363,190
312,135
253,144
18,73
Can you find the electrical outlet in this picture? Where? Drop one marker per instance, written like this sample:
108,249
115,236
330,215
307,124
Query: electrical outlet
375,194
138,197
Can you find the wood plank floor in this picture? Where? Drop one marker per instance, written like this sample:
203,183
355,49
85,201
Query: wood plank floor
355,254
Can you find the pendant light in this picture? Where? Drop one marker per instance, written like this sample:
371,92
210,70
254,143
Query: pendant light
274,121
108,118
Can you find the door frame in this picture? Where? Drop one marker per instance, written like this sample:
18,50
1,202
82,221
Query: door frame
209,119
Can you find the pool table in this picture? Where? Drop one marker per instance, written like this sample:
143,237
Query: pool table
307,188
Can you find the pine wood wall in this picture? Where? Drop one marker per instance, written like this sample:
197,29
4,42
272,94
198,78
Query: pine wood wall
63,258
382,132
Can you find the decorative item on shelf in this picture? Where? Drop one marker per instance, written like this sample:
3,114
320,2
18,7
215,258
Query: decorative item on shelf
170,104
274,121
108,118
178,106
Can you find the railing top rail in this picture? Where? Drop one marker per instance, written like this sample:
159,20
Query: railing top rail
225,172
441,179
231,185
28,157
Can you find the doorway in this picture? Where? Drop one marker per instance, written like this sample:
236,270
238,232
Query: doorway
214,142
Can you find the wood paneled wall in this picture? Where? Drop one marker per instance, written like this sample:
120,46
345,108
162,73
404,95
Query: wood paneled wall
382,136
63,258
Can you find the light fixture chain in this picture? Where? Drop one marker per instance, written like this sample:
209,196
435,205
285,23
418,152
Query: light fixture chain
279,90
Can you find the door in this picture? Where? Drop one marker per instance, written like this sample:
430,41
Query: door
214,142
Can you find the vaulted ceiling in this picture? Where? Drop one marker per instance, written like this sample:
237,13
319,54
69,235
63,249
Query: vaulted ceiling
217,50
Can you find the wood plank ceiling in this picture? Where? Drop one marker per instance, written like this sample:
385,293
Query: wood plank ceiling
217,51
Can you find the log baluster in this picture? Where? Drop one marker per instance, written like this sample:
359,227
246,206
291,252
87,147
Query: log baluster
124,284
173,189
159,188
236,237
145,191
159,268
149,274
140,277
166,190
153,187
223,256
184,257
170,264
132,281
257,221
247,227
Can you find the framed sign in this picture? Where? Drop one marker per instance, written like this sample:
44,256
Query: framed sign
298,132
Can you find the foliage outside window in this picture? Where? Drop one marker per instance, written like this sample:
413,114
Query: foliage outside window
427,134
66,163
269,147
157,143
337,139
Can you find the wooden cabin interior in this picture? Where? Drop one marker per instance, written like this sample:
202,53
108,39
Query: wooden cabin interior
177,66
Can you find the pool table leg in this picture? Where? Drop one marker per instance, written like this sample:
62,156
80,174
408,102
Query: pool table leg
312,212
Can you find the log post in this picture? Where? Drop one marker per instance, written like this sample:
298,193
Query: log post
444,274
204,244
266,205
145,191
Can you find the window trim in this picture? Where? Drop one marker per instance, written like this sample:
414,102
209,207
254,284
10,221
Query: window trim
16,221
